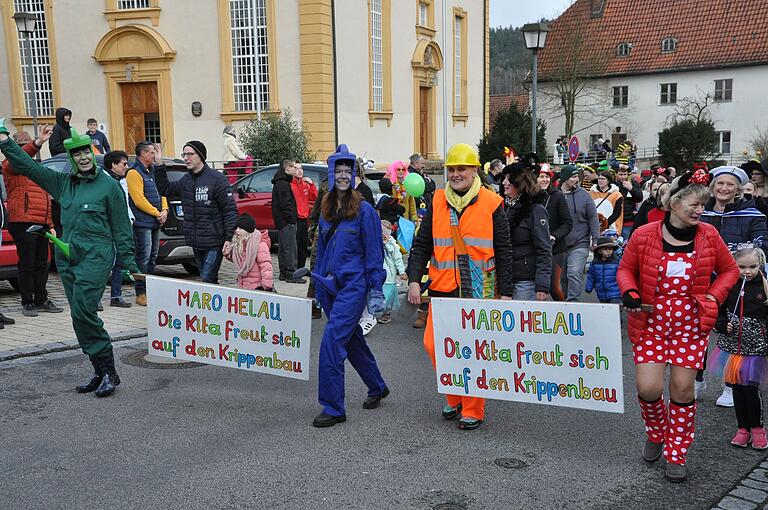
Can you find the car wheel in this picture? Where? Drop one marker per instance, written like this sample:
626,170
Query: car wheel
191,268
14,283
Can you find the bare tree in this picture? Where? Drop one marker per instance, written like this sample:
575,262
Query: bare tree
759,143
692,108
571,84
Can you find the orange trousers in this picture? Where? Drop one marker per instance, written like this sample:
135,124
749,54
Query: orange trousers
471,407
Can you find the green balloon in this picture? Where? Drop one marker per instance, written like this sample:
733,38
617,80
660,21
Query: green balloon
414,185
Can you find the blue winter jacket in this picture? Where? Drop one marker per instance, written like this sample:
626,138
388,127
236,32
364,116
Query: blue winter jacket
353,255
601,276
740,223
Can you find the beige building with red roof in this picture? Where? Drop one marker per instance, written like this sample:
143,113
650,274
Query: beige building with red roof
635,63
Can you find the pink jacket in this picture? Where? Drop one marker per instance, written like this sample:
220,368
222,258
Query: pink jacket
253,263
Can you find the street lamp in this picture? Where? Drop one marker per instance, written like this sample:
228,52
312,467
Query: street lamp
535,37
25,24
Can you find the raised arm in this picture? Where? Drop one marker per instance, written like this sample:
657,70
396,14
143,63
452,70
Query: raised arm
50,180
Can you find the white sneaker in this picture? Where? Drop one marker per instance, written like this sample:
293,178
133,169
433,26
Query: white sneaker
698,388
367,324
726,399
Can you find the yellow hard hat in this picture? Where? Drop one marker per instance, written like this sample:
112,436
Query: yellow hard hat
462,154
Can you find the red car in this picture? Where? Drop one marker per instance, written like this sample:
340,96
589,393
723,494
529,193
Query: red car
9,259
253,193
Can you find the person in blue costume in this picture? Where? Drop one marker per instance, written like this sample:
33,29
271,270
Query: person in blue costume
350,260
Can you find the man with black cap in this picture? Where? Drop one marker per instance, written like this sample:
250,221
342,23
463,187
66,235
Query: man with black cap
210,214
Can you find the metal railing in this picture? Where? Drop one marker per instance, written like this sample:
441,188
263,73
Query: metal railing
648,155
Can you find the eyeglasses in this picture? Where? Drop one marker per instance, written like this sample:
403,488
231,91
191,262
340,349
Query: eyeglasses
187,154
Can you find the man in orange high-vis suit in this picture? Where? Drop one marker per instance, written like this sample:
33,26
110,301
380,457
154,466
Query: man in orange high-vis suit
464,236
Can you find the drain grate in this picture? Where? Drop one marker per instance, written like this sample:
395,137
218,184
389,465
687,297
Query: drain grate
449,506
142,359
510,463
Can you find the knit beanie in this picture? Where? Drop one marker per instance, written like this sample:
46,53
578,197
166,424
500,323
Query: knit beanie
245,222
567,171
198,147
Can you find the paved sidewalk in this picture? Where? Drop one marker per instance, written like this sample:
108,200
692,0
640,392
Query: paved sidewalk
50,332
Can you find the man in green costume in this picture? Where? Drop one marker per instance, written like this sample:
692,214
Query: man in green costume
95,225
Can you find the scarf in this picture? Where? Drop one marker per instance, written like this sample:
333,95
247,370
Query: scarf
245,247
681,234
459,202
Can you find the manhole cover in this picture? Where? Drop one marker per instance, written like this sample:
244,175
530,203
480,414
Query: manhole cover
449,506
510,463
143,360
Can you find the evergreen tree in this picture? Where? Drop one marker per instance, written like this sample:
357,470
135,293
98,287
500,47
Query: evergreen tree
512,129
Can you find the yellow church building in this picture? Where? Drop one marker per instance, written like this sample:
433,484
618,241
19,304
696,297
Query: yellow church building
377,75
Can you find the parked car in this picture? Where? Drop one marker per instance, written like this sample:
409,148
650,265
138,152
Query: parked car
253,193
173,248
9,259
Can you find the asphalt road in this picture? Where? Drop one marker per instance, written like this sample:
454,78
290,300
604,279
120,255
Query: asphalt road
210,437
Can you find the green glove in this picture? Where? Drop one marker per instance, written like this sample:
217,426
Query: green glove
3,129
128,276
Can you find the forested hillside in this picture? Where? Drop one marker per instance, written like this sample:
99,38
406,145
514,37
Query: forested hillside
510,60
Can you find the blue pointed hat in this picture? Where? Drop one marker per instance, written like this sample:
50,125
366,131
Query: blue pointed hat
342,154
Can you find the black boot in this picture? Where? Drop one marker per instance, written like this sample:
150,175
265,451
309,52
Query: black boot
111,380
95,381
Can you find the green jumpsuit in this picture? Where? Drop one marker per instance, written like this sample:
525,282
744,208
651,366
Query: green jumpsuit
94,220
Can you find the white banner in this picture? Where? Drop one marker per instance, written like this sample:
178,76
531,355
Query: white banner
562,354
235,328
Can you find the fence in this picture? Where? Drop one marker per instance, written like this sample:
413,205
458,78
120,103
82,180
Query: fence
648,155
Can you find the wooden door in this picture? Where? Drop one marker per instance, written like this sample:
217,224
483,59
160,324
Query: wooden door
424,119
141,112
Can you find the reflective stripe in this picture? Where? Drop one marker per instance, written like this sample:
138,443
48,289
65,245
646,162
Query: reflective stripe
477,241
451,264
469,241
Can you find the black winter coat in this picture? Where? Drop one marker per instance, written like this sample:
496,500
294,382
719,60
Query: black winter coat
390,209
531,247
365,190
284,210
560,221
61,131
210,213
631,199
738,227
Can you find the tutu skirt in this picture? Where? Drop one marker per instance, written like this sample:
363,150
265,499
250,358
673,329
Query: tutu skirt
738,369
391,299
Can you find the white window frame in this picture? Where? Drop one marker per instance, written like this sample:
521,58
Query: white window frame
130,5
423,14
722,144
668,96
457,63
41,61
377,56
669,45
250,55
623,49
622,93
724,88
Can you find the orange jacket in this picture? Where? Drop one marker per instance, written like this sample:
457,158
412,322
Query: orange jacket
27,202
475,227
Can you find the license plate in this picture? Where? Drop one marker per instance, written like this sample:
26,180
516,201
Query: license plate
179,211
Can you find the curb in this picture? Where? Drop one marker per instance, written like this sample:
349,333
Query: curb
64,345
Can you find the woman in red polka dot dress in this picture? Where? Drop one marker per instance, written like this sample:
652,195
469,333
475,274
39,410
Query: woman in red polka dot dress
665,280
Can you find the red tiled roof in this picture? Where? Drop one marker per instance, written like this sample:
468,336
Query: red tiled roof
709,33
499,103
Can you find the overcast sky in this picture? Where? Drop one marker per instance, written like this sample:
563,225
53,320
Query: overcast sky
520,12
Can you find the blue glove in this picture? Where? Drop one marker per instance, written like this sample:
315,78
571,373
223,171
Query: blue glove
3,129
376,302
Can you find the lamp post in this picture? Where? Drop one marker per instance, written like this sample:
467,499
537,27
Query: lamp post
25,24
535,36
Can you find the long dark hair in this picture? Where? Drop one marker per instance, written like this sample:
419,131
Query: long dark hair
345,204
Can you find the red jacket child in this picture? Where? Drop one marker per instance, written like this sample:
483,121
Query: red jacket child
249,253
305,194
643,255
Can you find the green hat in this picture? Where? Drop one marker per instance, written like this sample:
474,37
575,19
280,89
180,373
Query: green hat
77,141
567,171
603,166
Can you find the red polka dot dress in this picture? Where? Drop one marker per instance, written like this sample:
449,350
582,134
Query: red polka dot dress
672,336
672,333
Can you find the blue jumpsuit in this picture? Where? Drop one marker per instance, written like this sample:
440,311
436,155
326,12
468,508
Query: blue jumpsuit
354,256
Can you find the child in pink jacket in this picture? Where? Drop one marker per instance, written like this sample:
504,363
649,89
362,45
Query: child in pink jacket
249,253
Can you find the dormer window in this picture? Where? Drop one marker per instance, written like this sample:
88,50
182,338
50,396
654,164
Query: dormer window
623,49
669,45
